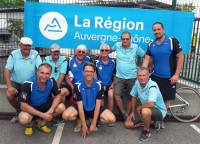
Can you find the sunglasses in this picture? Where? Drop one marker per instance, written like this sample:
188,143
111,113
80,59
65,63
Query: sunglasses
83,52
125,39
104,50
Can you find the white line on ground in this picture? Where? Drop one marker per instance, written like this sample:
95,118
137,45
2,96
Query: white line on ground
58,134
196,128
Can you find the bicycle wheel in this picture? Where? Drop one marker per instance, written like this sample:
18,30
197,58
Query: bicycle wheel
185,107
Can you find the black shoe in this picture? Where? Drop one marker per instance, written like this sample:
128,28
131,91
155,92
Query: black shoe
145,135
124,116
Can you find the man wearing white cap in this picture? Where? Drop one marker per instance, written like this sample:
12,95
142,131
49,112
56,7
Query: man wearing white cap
21,65
59,67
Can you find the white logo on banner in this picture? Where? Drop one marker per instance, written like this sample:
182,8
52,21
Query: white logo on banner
53,25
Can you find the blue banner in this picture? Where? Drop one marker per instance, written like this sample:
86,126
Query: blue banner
70,25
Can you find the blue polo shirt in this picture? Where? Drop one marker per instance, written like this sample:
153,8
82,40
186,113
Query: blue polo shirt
150,93
77,68
60,67
126,67
105,72
34,96
164,56
88,94
22,68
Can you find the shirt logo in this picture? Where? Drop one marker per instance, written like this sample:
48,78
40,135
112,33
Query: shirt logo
74,65
100,67
24,95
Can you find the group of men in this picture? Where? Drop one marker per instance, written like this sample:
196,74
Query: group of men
38,90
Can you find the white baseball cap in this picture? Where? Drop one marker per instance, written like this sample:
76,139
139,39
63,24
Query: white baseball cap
55,47
26,41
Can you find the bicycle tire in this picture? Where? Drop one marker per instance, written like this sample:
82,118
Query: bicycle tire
187,113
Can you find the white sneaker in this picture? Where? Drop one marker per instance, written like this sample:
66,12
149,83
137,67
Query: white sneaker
14,119
162,125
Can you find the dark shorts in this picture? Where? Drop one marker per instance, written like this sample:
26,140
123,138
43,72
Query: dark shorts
90,114
167,90
17,86
44,107
123,87
156,116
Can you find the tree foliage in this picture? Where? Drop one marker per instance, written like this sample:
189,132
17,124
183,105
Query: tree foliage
186,7
5,3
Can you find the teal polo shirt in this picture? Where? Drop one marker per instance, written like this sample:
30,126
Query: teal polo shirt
126,67
22,68
150,93
60,67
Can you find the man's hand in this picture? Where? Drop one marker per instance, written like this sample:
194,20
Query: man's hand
12,90
174,79
93,128
85,131
47,117
129,123
50,111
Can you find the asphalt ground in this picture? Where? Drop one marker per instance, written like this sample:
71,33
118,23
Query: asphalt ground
174,133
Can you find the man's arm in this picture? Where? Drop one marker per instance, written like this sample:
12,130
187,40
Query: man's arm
96,115
180,60
85,130
7,76
129,123
60,79
145,105
29,109
146,61
55,103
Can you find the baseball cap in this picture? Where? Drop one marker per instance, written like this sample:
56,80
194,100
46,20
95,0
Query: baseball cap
26,41
55,47
81,47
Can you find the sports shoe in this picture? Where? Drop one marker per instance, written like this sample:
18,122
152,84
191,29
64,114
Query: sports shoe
45,129
111,124
14,118
145,135
56,122
125,116
77,127
156,125
162,124
28,131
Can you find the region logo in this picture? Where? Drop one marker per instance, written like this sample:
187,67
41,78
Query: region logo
53,25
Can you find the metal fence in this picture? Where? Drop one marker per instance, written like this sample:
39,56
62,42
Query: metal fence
11,28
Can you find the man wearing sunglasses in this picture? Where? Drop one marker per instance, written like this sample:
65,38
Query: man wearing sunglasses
59,67
105,73
126,69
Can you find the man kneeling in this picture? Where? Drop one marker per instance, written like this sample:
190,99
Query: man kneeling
40,101
88,95
152,105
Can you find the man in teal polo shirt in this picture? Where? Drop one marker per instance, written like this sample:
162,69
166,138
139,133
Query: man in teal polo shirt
21,65
59,68
58,64
146,92
126,69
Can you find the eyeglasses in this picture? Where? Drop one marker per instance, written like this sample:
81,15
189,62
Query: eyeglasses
83,52
56,69
125,39
104,50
